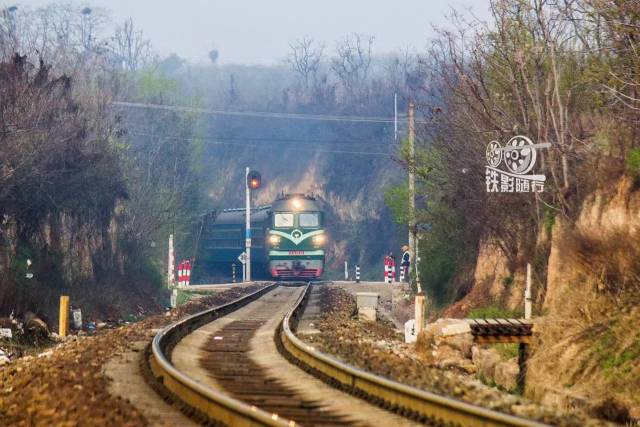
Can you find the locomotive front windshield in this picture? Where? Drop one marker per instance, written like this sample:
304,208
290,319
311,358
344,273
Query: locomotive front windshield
308,219
283,220
303,219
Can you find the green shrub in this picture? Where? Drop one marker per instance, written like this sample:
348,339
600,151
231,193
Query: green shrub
633,164
549,220
507,282
507,351
494,312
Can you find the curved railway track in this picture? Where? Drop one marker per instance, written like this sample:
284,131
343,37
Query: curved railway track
241,392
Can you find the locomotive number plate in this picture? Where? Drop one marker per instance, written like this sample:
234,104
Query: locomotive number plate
296,252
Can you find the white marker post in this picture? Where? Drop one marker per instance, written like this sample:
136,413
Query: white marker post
346,271
527,294
243,260
248,227
171,279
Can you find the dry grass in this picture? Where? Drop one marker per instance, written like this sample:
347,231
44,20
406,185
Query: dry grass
590,343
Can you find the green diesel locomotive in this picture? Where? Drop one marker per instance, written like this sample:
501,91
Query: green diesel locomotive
288,240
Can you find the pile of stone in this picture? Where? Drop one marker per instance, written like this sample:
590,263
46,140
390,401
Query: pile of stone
448,344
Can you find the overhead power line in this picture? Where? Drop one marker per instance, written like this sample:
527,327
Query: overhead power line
306,141
291,116
219,142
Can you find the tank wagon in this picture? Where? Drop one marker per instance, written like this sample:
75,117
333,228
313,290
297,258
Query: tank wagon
288,239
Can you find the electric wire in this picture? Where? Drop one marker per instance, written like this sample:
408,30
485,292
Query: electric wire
214,141
261,114
307,141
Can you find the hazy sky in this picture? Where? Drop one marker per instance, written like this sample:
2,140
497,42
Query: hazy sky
259,31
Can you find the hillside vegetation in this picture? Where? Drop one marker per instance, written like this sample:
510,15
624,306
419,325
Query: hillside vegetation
82,210
564,73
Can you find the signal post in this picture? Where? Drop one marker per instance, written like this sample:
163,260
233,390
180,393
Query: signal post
252,182
247,241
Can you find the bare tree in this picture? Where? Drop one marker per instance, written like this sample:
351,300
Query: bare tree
305,58
353,61
130,47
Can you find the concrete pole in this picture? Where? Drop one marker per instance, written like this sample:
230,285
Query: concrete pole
171,279
413,238
412,189
248,226
346,270
527,294
395,117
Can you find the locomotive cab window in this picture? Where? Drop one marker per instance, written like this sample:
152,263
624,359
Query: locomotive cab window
308,219
283,220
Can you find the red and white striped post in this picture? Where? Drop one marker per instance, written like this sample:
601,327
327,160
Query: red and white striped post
187,275
181,274
387,269
393,269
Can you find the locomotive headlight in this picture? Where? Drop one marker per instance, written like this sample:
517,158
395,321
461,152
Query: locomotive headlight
274,240
296,204
319,239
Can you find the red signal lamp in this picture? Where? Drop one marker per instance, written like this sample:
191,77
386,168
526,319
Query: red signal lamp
254,180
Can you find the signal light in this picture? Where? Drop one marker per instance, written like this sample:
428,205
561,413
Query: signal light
254,180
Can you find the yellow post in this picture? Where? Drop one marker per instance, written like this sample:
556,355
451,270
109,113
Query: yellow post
63,325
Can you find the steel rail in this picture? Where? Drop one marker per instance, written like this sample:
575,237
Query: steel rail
209,402
216,406
401,397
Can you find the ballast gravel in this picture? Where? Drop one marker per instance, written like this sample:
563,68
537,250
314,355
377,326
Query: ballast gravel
65,386
377,347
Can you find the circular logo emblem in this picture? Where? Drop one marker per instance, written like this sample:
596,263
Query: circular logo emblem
494,153
520,155
296,234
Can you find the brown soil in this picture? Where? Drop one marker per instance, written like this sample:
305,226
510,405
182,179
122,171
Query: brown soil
68,387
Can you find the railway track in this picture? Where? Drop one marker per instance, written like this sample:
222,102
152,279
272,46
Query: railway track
243,380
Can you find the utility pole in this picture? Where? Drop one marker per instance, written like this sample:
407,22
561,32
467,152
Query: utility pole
413,240
395,117
412,188
248,226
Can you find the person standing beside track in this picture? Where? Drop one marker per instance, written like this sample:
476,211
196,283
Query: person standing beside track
406,262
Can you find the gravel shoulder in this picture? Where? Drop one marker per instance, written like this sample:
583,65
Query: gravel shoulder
68,386
377,347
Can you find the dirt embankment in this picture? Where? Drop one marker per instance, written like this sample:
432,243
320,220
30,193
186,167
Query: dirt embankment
376,347
586,290
66,386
